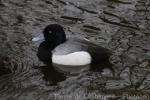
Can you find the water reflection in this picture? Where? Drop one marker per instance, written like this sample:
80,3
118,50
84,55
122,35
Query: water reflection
54,75
51,76
102,66
5,62
4,71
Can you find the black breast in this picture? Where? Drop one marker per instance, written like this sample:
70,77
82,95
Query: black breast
44,53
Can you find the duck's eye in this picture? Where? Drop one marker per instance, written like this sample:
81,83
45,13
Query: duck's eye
50,32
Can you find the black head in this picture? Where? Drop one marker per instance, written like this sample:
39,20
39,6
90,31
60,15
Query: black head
54,34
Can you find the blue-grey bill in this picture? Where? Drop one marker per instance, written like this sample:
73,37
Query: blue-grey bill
38,38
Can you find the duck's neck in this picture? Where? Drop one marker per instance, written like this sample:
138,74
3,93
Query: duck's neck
53,45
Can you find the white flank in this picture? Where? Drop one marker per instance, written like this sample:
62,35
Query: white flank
75,59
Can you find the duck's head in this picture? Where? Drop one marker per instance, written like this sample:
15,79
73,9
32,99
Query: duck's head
53,35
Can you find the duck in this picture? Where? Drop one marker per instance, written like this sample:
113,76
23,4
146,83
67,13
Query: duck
72,55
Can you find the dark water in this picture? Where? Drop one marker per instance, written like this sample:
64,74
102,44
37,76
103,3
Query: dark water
122,26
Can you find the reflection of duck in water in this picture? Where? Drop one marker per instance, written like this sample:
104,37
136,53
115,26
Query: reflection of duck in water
51,75
70,55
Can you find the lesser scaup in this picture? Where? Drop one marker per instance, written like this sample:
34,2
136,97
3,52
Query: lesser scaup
73,54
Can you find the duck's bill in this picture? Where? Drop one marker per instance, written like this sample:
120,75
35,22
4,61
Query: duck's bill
38,38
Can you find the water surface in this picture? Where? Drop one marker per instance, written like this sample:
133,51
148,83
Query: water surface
122,26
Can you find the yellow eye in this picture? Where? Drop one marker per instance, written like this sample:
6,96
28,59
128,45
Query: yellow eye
50,32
